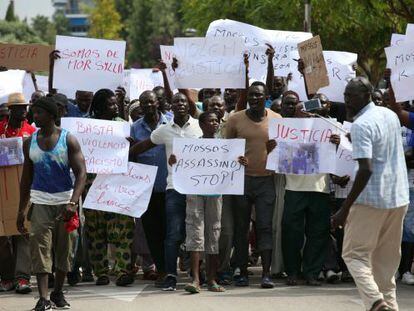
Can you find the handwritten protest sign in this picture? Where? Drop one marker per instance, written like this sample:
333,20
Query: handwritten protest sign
409,32
303,146
400,59
255,38
141,80
397,39
316,75
167,55
208,166
102,142
34,57
127,194
340,71
88,64
344,163
209,63
11,81
11,151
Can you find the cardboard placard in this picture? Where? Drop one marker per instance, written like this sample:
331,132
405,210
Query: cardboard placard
9,199
33,57
316,74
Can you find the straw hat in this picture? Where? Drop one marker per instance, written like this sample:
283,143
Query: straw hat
16,99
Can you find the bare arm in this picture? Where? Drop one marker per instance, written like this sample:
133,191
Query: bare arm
168,92
270,52
361,179
242,101
78,166
25,185
52,57
301,69
141,147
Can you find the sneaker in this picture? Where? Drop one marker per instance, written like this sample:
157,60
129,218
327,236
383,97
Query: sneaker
170,284
224,278
321,276
6,286
242,281
407,278
73,278
159,282
23,286
124,280
332,277
59,300
102,280
87,277
42,305
267,283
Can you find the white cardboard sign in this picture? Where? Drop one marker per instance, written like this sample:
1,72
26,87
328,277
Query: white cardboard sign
11,81
209,63
167,55
303,146
255,38
208,166
345,164
103,143
141,80
127,194
88,64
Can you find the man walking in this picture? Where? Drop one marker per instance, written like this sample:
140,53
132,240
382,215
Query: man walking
374,209
49,155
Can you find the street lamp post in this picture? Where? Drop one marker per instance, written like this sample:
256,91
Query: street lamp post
307,20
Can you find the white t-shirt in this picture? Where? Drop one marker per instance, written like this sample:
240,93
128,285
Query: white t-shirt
165,134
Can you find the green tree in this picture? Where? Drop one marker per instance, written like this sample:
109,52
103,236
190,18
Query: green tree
44,28
105,20
17,32
61,24
124,8
10,17
360,26
152,22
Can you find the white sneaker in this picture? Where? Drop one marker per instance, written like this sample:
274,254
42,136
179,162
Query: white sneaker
408,278
332,277
321,276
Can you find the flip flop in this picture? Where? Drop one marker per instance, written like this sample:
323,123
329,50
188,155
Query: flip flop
216,288
192,288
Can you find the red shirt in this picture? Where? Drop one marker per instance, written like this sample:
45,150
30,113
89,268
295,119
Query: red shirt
25,131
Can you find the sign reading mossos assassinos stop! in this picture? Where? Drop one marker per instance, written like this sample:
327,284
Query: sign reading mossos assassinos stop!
103,143
88,64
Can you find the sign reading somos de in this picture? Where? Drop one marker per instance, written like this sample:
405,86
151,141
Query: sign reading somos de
128,193
103,143
88,64
208,166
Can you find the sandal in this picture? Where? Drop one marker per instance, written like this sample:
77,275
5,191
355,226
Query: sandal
192,288
380,305
216,288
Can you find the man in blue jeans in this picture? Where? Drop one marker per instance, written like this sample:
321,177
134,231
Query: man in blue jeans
182,126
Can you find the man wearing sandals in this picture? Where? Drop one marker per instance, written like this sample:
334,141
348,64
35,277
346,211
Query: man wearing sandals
375,208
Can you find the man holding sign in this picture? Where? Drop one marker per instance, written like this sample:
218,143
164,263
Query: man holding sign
252,124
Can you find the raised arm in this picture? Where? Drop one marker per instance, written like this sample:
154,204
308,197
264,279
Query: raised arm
78,166
242,101
52,57
301,69
168,92
270,52
25,185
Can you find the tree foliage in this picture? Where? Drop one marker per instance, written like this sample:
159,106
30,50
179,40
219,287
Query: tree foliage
17,32
105,20
10,17
360,26
152,22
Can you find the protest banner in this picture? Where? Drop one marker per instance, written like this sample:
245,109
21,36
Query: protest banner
340,71
10,177
344,163
400,59
141,80
209,63
33,57
11,151
103,143
316,74
303,146
11,81
167,55
127,194
397,39
88,64
208,166
255,38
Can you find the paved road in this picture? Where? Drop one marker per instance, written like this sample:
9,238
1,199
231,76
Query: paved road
141,296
